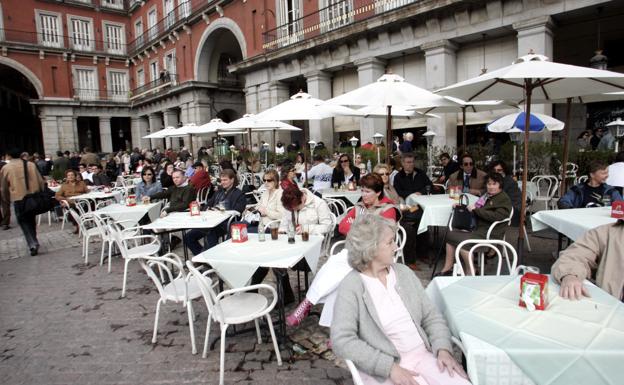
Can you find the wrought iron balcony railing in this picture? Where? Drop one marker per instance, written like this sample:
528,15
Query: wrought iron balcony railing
91,95
52,40
336,15
164,82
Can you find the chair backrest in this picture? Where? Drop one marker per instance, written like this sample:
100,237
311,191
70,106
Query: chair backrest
571,169
167,266
206,286
501,222
336,206
546,185
493,244
329,235
202,195
337,244
442,186
400,239
357,380
79,219
83,206
581,179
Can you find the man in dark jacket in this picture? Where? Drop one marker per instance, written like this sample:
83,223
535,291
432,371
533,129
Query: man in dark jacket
180,195
594,191
228,198
411,180
98,176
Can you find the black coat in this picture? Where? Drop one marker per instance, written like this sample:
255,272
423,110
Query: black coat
409,184
339,177
234,199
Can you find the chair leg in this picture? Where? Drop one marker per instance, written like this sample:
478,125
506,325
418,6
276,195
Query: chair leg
125,276
49,219
102,252
87,249
110,249
222,355
258,331
189,310
207,338
156,321
526,239
277,352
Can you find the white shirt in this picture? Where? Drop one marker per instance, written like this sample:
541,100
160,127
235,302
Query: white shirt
86,175
322,175
616,174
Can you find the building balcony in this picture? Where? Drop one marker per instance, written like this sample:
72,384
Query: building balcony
94,95
330,18
155,87
49,40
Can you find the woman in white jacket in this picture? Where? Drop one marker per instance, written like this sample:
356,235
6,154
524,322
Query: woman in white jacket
270,204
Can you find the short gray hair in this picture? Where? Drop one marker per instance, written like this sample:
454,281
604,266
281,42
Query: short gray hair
364,237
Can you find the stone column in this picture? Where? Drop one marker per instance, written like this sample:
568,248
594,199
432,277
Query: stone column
441,70
369,70
278,93
66,133
106,140
536,35
171,120
50,133
263,103
155,125
319,86
139,129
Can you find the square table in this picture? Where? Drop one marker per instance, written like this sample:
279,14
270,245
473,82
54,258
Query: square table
236,263
572,223
571,342
95,195
133,214
352,196
436,208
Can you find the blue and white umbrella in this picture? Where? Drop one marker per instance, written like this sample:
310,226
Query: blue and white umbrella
537,123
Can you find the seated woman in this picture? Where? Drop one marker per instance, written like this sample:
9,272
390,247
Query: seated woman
345,172
383,170
494,206
384,321
591,192
270,205
299,165
166,176
148,184
71,188
327,279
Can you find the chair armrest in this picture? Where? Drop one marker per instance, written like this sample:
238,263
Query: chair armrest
249,288
138,237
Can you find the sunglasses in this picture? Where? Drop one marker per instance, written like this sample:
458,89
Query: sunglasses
268,180
148,174
383,174
344,161
468,163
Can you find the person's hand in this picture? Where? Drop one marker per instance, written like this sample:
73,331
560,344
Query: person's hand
298,229
442,179
471,207
572,288
446,361
163,214
145,199
261,210
402,376
417,193
65,203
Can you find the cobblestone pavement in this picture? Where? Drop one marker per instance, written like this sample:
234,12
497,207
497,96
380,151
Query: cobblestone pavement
63,322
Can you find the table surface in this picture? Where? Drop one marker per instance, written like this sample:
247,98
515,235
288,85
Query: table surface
98,195
571,342
353,196
184,220
236,262
134,213
572,223
436,208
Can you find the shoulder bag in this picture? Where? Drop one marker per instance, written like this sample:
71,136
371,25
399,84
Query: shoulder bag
462,218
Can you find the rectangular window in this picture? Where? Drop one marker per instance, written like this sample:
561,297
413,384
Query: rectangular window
153,71
115,4
81,34
118,86
185,8
335,14
169,62
49,30
138,33
140,78
151,24
289,25
114,39
169,14
86,83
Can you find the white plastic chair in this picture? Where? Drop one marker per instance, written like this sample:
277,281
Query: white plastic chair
178,288
477,246
333,251
129,253
357,380
547,186
88,229
104,223
581,179
401,238
329,235
233,307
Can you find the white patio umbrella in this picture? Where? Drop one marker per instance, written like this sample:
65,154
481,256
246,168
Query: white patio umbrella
388,92
530,78
169,132
303,106
212,127
397,112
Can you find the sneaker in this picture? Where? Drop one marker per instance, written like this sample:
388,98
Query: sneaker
302,311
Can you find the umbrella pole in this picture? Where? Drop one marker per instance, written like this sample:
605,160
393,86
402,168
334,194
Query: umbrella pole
464,128
253,177
305,156
566,143
528,88
388,134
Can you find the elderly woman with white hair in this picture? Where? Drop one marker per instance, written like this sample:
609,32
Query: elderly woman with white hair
384,321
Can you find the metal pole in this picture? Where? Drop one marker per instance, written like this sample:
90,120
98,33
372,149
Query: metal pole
528,89
378,155
388,134
566,143
464,139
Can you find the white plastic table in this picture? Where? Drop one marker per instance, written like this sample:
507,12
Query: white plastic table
351,196
134,214
571,342
95,195
436,209
184,220
572,223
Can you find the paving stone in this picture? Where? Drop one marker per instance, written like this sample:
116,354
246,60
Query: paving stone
258,356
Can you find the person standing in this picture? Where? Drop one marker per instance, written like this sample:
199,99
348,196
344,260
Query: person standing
60,164
89,157
5,204
19,178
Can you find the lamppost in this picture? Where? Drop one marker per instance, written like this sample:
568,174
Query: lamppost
312,145
354,141
377,138
266,154
429,135
232,148
618,126
516,137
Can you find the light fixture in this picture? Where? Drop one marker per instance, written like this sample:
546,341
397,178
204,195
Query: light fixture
232,148
89,133
312,145
265,145
354,141
483,69
430,135
377,138
618,126
120,133
598,61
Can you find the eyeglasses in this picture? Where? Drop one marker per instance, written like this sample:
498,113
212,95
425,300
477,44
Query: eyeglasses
344,161
383,174
268,180
468,163
499,170
148,174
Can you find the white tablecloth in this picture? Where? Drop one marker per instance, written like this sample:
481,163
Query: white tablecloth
436,209
571,342
572,223
352,196
55,188
132,213
236,262
93,195
184,220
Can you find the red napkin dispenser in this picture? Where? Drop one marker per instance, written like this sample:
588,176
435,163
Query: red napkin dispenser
534,288
238,231
194,208
617,210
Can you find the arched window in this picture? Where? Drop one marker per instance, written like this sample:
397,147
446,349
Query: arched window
223,75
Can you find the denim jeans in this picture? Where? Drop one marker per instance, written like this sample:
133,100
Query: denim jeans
210,236
28,225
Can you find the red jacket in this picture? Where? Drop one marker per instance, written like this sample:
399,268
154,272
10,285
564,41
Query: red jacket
345,223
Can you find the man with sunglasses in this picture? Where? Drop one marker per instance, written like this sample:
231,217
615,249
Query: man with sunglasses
468,178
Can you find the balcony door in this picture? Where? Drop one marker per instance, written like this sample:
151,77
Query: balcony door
289,25
169,14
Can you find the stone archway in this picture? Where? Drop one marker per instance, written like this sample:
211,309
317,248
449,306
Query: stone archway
222,37
27,73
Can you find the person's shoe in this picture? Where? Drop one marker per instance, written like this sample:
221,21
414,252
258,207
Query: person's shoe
175,241
6,227
34,251
302,311
447,273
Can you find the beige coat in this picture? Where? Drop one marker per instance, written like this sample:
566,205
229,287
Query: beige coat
315,213
14,183
273,205
598,249
477,183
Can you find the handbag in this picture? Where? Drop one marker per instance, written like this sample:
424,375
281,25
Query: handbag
38,202
462,217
